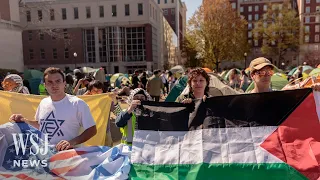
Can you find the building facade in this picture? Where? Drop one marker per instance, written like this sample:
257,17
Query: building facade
120,36
11,36
309,14
175,12
253,11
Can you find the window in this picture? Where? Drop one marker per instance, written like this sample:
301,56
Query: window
136,44
241,9
273,43
306,38
172,1
114,10
265,16
256,17
316,38
249,34
307,10
101,11
65,33
127,9
317,19
256,43
39,15
54,53
42,54
280,6
66,53
306,29
317,28
256,8
140,9
173,11
265,7
307,1
41,36
150,10
265,24
307,19
64,13
318,8
90,44
250,8
249,17
52,15
28,16
250,42
274,6
88,12
249,25
158,1
165,11
76,13
30,35
165,1
280,15
234,5
31,54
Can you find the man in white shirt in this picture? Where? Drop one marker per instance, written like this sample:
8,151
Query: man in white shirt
60,115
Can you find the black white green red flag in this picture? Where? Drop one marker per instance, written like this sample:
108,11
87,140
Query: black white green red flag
253,136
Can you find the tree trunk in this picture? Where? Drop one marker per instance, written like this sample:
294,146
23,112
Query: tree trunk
217,66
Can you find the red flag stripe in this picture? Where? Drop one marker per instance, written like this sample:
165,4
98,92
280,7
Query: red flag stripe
66,155
297,140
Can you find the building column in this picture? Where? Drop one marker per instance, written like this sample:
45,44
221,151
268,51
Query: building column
96,43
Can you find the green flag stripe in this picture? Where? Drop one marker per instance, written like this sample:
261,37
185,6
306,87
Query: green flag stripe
239,171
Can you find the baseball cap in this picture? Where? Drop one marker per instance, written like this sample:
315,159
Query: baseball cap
260,63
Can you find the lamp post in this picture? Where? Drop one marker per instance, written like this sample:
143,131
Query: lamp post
75,57
245,60
282,64
304,63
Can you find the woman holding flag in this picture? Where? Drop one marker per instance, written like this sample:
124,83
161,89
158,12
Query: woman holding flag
198,82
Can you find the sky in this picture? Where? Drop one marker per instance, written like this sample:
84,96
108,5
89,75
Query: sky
192,6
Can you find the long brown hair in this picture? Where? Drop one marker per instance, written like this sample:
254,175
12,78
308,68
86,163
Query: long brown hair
195,73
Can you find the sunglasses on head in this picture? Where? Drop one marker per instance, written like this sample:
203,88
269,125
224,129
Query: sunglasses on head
264,72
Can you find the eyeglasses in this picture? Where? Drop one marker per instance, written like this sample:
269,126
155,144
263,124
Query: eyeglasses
264,72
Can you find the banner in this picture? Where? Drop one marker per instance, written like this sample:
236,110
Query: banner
15,103
271,135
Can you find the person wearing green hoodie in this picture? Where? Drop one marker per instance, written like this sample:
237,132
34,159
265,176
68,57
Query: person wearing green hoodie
126,119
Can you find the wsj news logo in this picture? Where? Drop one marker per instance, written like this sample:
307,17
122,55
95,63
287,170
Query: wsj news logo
21,144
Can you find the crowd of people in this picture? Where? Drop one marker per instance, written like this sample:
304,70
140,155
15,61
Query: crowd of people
62,103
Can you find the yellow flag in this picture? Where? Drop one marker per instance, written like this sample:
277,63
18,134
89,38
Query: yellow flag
15,103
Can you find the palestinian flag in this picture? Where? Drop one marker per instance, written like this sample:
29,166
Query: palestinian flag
252,136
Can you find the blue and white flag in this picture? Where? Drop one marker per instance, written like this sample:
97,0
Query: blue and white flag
25,156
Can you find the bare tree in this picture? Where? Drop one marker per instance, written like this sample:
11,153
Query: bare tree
45,7
312,58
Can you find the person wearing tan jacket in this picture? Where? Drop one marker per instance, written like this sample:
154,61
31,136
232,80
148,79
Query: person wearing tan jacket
154,86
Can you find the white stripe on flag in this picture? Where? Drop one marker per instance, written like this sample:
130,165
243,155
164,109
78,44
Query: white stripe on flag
220,145
316,95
